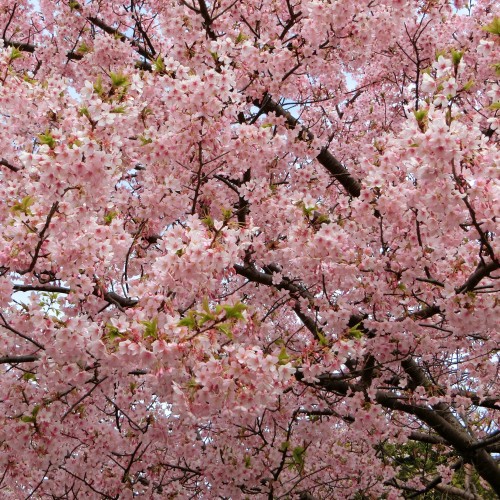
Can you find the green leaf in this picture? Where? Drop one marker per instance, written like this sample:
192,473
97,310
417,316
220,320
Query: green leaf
27,79
420,115
247,461
205,318
308,211
84,112
159,65
283,357
98,86
29,376
493,27
151,328
235,311
47,139
227,214
495,106
322,219
321,338
112,332
108,218
119,80
355,332
284,446
439,53
189,321
468,85
298,457
240,38
225,328
145,140
27,419
118,109
15,54
205,305
456,57
83,48
208,221
23,205
192,384
145,112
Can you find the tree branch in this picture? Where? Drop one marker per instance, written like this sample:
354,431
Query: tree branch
115,32
427,438
18,359
9,165
19,334
481,272
453,492
325,158
41,239
110,297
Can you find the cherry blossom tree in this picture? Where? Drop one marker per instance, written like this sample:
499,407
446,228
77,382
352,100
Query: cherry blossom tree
248,249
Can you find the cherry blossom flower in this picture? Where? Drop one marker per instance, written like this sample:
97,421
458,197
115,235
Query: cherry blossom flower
443,66
428,84
248,249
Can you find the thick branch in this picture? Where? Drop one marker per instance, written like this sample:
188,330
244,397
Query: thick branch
438,420
24,47
487,442
488,402
256,276
110,297
41,288
113,31
453,492
28,47
447,426
309,323
427,438
124,302
325,158
18,359
481,272
207,20
9,165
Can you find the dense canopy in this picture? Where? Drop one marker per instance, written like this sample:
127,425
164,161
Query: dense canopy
249,249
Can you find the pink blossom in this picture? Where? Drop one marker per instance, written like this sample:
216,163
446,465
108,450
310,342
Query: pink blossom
248,249
428,84
442,66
